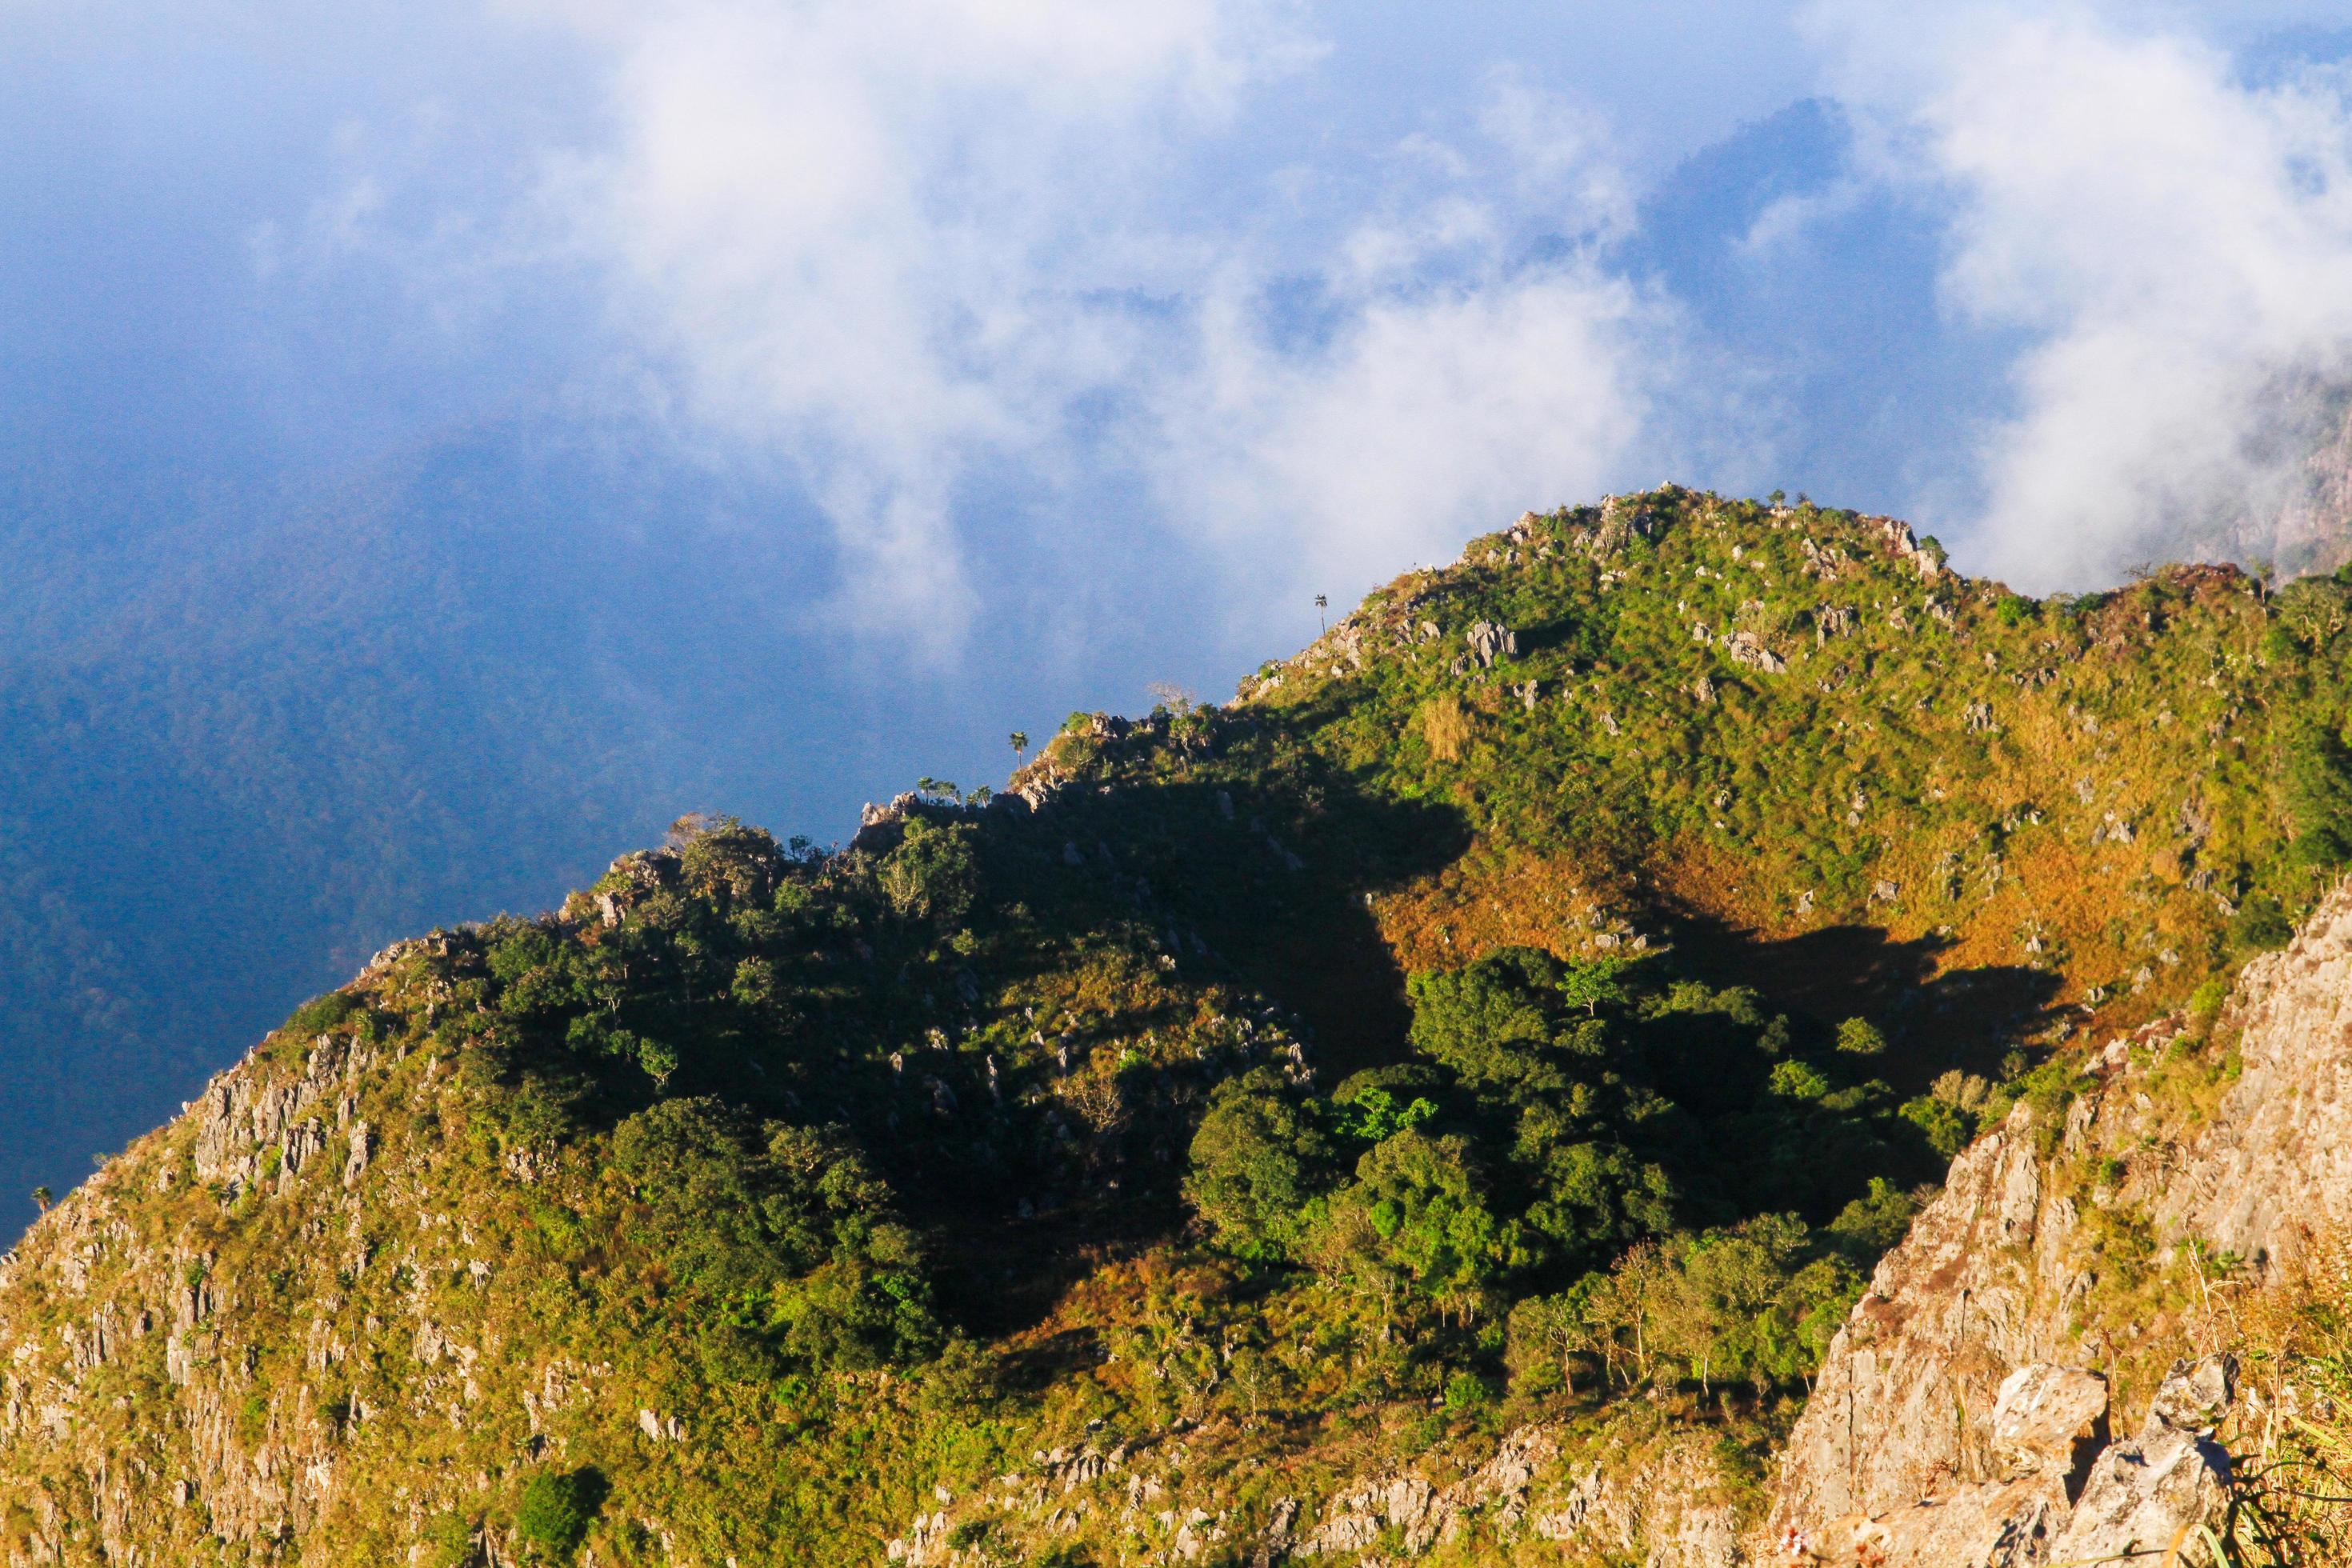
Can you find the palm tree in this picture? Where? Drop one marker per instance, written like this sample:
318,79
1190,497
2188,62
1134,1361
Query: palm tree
43,1198
1020,739
1322,603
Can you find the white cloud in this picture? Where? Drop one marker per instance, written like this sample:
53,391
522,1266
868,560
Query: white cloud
899,243
1427,418
2173,246
875,234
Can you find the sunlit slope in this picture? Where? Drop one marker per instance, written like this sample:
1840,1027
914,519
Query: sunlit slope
1256,1092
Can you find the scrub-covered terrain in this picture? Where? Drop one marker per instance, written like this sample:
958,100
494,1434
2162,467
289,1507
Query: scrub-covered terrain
1448,1102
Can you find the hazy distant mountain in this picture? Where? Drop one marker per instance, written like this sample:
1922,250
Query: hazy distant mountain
2295,512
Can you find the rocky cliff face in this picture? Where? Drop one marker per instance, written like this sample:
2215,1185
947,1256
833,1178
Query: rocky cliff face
1992,1330
1643,1493
107,1315
2299,516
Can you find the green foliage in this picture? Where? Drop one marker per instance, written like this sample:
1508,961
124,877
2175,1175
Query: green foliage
1548,1338
1946,1127
1416,1223
2313,610
1260,1165
1754,1303
1590,984
1495,1022
932,874
556,1509
319,1015
872,1167
2260,925
1871,1223
450,1542
1555,1116
1858,1037
782,1231
1468,1394
2319,794
1370,1114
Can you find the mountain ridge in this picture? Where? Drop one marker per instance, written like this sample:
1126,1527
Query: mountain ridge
1640,910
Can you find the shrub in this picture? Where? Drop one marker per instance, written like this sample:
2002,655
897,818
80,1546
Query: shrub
557,1508
1947,1128
2259,925
1468,1394
1856,1036
321,1014
450,1540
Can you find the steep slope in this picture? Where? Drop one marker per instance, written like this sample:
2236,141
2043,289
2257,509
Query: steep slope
2177,1200
1448,1097
507,1201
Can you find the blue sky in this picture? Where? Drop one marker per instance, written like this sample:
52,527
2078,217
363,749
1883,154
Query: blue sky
441,443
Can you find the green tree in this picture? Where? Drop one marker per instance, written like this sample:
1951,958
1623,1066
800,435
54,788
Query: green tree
1020,739
1546,1335
659,1060
43,1198
1856,1036
1591,983
556,1509
1724,1312
783,1232
932,874
1416,1223
1493,1022
1259,1168
2319,795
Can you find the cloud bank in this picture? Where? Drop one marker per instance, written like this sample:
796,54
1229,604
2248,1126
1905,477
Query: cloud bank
2170,246
896,246
1034,285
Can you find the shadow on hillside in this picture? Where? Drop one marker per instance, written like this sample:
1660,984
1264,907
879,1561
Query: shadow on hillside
1277,880
1965,1018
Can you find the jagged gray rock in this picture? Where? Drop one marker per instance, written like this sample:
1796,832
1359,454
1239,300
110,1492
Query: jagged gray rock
2149,1496
1988,1280
1489,641
2275,1167
1743,648
1664,1510
2049,1421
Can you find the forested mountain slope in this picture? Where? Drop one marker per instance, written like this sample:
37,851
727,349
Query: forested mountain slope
1534,1009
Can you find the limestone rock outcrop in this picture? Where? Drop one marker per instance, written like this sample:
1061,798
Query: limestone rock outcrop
2150,1495
1931,1424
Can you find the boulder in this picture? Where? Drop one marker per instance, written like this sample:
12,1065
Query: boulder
1743,648
2147,1498
2049,1420
1489,641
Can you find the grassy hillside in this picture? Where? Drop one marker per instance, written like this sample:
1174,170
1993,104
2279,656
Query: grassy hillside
1551,987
